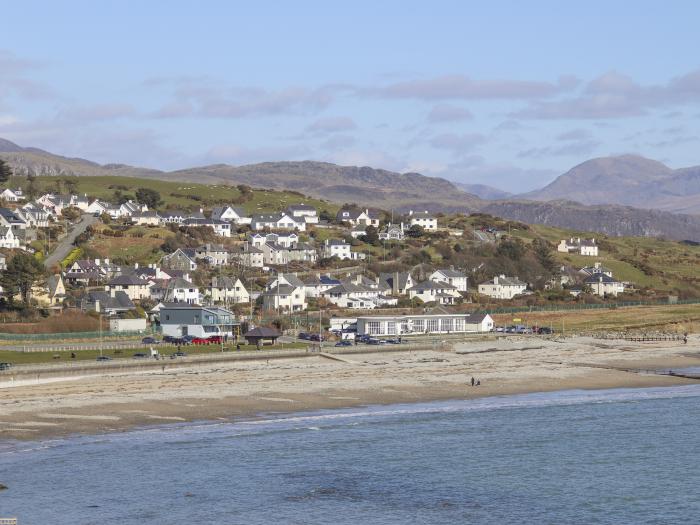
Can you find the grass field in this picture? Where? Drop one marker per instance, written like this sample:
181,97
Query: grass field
179,194
25,358
668,318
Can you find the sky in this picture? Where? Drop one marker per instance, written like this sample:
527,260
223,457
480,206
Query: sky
504,93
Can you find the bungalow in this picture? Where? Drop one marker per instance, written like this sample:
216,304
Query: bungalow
173,216
596,269
180,259
392,232
440,322
450,276
335,248
303,213
426,220
198,321
278,221
131,285
98,206
502,287
146,218
604,285
434,292
228,290
231,214
577,245
356,296
359,217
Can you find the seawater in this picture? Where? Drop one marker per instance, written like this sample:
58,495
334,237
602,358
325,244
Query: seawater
615,456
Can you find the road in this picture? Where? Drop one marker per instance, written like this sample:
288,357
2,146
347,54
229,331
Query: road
65,245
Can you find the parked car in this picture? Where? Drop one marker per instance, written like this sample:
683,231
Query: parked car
187,339
344,342
394,341
373,341
303,335
140,355
5,366
363,339
179,354
200,340
545,330
316,337
217,339
150,341
172,339
103,358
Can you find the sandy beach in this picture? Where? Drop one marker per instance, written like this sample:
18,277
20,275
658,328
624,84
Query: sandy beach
116,402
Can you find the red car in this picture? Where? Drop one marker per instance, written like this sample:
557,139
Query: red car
200,341
215,339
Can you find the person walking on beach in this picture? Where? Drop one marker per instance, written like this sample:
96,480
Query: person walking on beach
472,381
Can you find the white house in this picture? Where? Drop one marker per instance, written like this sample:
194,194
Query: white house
596,269
98,206
8,238
426,220
221,228
440,322
316,285
450,276
502,287
392,232
10,219
303,212
12,195
227,290
145,218
285,292
134,287
604,285
179,290
335,248
359,217
357,296
577,245
437,292
277,221
231,214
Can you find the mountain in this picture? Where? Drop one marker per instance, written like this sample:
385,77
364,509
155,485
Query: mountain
483,191
628,180
403,191
613,220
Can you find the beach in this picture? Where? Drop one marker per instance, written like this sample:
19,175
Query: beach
246,389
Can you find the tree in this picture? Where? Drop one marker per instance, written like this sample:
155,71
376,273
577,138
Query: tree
33,189
149,197
512,249
415,231
22,272
5,171
71,213
371,236
543,252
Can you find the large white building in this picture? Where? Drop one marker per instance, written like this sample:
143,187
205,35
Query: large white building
430,323
426,220
502,287
577,245
450,276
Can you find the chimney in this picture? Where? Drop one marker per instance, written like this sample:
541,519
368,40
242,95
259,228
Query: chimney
395,284
97,262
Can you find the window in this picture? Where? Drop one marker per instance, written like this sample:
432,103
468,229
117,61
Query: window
374,327
418,325
447,325
459,325
433,325
391,328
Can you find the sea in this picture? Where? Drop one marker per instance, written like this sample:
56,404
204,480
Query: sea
608,456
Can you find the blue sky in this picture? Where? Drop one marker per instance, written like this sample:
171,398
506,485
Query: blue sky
509,94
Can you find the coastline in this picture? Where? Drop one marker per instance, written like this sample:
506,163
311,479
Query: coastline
245,390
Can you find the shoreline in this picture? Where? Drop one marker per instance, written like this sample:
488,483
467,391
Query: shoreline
247,390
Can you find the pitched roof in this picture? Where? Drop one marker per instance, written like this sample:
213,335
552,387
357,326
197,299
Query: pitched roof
127,280
449,272
432,285
262,331
120,301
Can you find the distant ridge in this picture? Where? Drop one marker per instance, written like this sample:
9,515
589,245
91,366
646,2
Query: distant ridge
620,177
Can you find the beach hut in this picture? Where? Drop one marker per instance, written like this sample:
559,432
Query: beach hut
260,335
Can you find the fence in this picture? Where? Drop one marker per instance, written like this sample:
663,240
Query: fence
71,335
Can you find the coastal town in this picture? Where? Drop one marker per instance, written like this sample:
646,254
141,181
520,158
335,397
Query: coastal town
222,272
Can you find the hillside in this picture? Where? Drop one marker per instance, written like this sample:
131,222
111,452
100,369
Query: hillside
628,180
483,191
390,190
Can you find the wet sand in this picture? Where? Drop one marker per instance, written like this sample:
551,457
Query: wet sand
117,402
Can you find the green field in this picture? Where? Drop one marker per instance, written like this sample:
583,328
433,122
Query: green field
178,194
